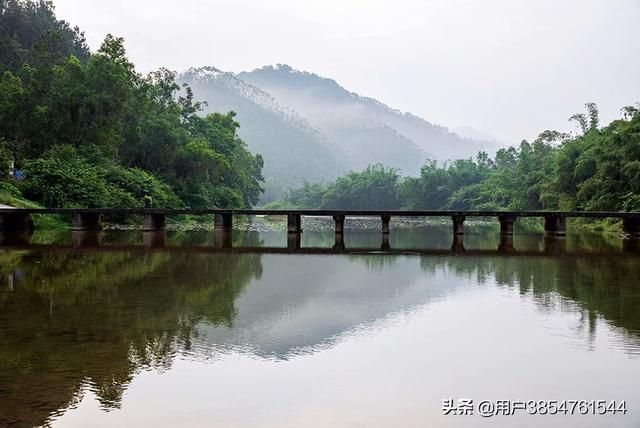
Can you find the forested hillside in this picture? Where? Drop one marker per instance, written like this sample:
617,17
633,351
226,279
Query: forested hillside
310,129
293,151
81,129
597,169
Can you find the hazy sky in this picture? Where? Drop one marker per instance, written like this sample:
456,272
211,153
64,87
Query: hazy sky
511,68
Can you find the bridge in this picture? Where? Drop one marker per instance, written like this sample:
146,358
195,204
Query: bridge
17,221
16,226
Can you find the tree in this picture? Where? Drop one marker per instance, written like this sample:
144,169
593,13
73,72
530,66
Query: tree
119,123
373,188
30,33
589,121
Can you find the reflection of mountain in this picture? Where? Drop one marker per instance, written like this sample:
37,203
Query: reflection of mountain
97,319
321,298
328,296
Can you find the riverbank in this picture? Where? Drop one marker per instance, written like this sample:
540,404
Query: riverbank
11,197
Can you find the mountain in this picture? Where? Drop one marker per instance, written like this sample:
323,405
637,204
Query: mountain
474,134
367,130
293,151
309,128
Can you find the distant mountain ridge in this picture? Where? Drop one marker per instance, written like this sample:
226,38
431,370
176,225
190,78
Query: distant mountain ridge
309,128
318,99
293,151
210,74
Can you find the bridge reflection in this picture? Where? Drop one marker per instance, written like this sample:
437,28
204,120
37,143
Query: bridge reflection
223,242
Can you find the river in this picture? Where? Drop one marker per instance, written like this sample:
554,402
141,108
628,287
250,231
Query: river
181,335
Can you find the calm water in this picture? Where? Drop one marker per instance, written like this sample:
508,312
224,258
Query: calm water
188,336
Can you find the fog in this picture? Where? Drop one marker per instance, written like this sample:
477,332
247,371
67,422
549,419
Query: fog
508,68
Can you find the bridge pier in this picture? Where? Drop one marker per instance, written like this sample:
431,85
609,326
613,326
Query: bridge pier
386,219
385,245
631,227
154,222
86,238
293,241
15,227
458,243
339,220
222,239
154,238
458,224
339,242
506,225
631,245
86,221
294,223
555,225
554,245
506,244
223,222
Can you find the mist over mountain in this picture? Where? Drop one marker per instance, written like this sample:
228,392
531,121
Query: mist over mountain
354,124
363,127
485,138
293,151
309,128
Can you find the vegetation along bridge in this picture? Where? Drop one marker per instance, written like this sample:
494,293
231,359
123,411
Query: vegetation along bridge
17,221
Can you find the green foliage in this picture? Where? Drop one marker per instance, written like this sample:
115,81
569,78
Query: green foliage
601,168
596,170
9,190
282,204
373,188
376,187
439,188
12,196
30,33
145,188
308,196
5,160
63,177
89,131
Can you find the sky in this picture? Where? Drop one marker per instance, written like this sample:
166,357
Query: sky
510,68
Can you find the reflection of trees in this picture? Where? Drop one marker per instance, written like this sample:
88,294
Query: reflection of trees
97,319
602,286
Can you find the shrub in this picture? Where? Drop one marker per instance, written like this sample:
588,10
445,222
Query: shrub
63,177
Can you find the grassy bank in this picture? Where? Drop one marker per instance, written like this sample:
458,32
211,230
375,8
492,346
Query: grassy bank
10,195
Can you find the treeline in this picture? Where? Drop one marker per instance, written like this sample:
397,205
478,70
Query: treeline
598,169
86,129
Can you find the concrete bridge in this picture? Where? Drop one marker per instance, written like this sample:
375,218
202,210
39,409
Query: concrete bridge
17,221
